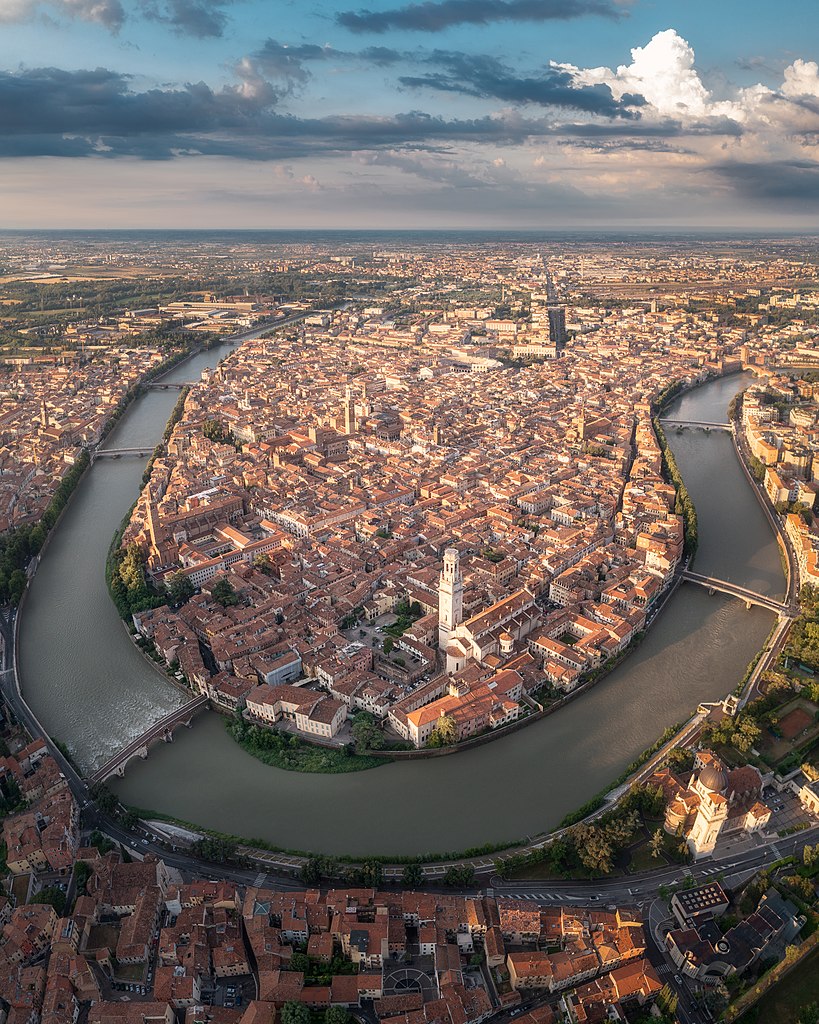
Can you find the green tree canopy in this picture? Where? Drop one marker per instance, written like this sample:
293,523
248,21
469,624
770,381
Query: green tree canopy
180,589
223,592
294,1012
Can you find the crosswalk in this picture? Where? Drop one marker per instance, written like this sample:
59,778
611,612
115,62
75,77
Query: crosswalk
560,897
259,879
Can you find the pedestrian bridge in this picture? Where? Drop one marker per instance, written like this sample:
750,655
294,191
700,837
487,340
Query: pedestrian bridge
118,453
161,730
161,385
673,421
750,597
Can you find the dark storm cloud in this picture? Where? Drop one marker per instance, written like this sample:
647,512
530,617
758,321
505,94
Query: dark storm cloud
77,113
48,100
784,182
199,18
83,112
435,17
488,78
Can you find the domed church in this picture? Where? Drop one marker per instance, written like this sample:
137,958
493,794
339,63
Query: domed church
716,802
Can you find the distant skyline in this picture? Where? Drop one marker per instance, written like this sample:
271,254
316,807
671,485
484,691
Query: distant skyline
399,114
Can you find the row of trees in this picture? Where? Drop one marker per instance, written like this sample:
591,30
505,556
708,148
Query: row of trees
683,505
19,546
803,638
592,846
294,1012
370,874
127,581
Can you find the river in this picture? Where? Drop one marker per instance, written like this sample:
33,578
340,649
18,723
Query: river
92,690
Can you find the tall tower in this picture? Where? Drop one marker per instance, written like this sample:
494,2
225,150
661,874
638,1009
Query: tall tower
712,812
153,525
349,411
450,596
44,415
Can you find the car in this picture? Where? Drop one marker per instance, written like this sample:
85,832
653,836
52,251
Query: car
678,979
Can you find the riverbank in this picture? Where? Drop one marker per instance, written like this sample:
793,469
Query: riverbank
293,754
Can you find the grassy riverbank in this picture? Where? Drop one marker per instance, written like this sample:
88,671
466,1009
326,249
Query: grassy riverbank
684,505
19,546
288,752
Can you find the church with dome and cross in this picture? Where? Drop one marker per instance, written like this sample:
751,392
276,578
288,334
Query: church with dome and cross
716,802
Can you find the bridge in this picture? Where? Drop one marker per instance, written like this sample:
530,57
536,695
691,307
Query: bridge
712,584
118,453
161,730
161,385
672,421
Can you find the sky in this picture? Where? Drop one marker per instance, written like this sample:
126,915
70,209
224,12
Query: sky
494,114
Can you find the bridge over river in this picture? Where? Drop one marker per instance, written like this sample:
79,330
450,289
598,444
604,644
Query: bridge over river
674,421
750,597
161,730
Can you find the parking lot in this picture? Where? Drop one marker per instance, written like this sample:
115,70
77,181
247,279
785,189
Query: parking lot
231,992
787,812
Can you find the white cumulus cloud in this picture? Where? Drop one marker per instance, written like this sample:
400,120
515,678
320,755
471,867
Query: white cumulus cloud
801,79
663,73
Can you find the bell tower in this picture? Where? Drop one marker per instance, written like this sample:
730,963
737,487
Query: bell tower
450,596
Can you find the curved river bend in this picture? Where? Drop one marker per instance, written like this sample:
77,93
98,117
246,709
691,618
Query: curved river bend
94,691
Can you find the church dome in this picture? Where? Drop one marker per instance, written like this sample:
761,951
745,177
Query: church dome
713,778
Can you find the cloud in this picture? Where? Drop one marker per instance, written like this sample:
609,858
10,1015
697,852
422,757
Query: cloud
789,183
433,16
663,73
43,101
240,120
108,13
487,78
801,79
625,145
201,19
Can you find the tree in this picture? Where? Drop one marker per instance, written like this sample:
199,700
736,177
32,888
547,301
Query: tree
263,564
371,873
412,876
367,734
459,874
214,431
294,1012
104,798
300,962
180,589
746,734
336,1015
222,591
51,895
656,844
445,732
594,848
215,849
311,871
